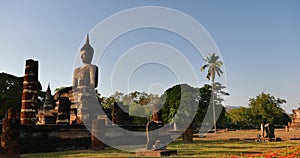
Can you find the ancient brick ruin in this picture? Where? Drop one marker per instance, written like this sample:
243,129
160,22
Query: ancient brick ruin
10,136
58,124
119,114
30,93
295,124
46,114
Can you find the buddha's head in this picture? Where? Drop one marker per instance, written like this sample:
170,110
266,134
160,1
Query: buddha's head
87,52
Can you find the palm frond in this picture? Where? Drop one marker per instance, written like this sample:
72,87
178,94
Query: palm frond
204,67
214,65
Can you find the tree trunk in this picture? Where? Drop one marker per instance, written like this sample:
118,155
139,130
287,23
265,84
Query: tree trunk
213,104
187,135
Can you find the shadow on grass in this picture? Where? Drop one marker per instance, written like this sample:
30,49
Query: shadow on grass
200,148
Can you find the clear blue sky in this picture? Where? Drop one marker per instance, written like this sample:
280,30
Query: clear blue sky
259,42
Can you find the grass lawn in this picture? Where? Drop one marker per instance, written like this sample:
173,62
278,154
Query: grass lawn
200,148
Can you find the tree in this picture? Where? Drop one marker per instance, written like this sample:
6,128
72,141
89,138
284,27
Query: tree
262,109
63,88
141,98
213,64
140,105
107,102
117,96
205,93
242,117
11,93
266,108
180,104
218,101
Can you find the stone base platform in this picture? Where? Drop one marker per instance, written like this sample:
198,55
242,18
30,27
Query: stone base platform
155,153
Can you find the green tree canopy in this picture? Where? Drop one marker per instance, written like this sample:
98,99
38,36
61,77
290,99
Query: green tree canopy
188,96
241,117
11,93
205,93
140,104
266,108
180,95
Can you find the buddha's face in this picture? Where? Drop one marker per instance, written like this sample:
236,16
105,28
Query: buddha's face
86,57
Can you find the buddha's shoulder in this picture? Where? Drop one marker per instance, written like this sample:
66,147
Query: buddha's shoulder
77,69
87,66
91,66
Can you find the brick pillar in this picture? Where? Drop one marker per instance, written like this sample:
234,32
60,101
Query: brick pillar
63,115
156,114
119,116
30,93
10,137
98,131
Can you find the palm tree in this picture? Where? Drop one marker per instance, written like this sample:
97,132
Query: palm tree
214,67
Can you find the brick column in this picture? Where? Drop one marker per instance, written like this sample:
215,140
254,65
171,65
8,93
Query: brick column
98,131
10,137
30,93
63,115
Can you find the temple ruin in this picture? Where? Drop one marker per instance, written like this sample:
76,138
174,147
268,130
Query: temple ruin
46,114
71,118
30,93
295,124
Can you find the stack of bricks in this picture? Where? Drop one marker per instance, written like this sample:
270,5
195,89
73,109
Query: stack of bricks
295,124
30,93
63,115
120,116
